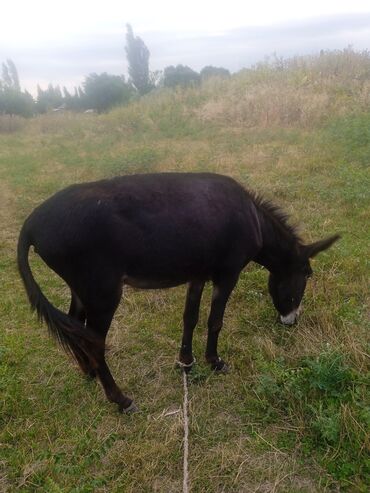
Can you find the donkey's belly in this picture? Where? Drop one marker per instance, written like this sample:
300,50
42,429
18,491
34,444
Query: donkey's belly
142,283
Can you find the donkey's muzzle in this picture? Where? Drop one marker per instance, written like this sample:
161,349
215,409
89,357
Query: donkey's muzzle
291,318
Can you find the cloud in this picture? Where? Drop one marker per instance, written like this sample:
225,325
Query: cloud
238,48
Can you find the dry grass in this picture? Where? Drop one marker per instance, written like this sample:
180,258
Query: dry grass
301,92
11,123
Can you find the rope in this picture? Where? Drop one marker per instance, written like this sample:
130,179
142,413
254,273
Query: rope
180,364
185,487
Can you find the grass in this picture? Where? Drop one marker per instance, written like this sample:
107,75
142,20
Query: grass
293,413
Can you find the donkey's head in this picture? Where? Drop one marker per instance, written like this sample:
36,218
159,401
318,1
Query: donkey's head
287,286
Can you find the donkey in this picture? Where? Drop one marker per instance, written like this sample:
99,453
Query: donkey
155,231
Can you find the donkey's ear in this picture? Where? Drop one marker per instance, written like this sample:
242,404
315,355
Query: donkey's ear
312,250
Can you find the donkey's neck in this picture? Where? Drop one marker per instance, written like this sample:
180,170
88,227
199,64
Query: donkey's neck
280,242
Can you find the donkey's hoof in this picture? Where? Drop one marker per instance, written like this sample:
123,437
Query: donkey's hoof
131,409
185,366
220,366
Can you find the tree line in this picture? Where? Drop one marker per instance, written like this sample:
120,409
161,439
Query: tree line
99,92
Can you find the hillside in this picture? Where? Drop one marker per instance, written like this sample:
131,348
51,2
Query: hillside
292,415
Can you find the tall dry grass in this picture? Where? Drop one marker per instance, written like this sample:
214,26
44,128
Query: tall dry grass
302,91
11,123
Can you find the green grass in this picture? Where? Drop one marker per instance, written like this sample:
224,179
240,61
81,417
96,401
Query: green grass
292,415
324,398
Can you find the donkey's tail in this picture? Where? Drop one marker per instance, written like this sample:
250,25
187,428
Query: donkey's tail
74,337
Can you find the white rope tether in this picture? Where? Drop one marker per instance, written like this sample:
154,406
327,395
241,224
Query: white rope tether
185,487
180,364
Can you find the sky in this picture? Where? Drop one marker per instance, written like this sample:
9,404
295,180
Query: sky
63,42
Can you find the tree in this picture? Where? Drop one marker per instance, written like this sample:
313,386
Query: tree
12,100
181,75
138,62
10,75
210,71
104,91
49,98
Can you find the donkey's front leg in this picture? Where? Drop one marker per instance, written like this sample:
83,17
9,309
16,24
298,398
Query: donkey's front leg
221,292
191,315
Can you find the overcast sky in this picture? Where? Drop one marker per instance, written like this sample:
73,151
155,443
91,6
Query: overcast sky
62,43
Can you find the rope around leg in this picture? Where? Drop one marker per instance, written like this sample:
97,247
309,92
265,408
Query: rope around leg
180,364
185,487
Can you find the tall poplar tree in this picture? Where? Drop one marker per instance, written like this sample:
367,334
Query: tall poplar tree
10,75
138,62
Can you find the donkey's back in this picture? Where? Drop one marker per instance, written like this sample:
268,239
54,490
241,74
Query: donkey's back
155,230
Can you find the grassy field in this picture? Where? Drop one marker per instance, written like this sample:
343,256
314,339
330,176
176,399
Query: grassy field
293,413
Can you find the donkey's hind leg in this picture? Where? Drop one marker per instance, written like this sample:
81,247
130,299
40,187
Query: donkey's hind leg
190,318
99,317
77,311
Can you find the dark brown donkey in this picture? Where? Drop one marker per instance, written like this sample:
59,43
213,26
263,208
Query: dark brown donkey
157,231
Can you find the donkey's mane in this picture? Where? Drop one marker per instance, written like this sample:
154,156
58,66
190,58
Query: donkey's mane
279,218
